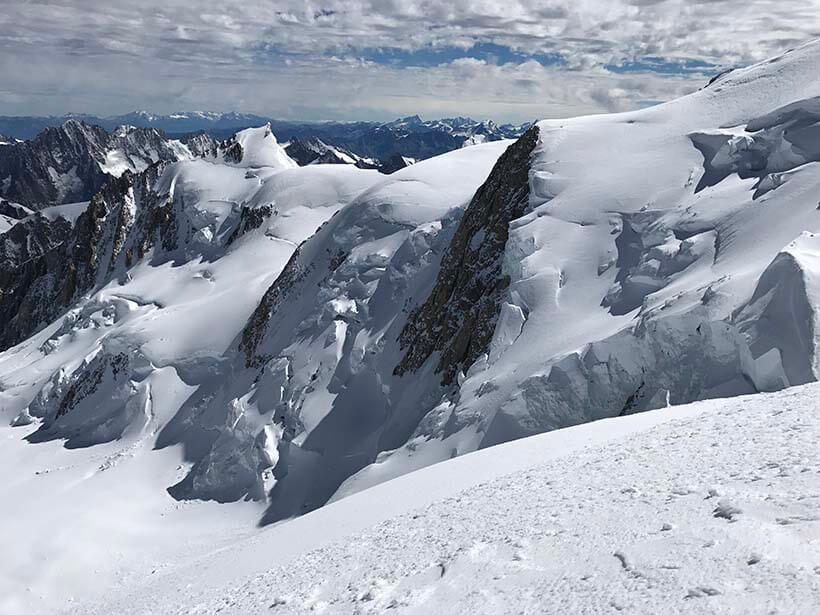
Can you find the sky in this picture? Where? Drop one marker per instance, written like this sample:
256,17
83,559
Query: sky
509,60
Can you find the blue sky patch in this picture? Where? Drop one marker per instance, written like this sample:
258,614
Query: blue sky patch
664,66
491,53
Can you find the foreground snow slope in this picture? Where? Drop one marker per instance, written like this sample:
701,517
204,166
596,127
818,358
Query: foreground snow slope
712,507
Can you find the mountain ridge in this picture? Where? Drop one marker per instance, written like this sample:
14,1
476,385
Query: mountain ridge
409,136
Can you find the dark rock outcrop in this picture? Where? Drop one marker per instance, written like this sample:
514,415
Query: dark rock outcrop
272,300
201,144
395,163
15,211
60,165
70,163
315,151
459,316
29,239
251,218
305,151
46,265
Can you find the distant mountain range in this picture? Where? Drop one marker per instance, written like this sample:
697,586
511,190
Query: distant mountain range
70,157
27,127
410,136
71,162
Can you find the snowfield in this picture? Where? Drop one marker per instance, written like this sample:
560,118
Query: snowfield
227,340
712,507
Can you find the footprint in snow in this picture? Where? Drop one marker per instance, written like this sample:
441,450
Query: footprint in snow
702,592
725,510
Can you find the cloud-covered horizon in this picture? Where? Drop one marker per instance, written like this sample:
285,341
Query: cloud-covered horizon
511,60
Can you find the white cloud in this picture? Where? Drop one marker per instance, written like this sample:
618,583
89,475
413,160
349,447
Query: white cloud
304,59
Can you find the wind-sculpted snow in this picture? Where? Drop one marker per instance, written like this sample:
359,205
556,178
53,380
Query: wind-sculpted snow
596,268
770,148
320,391
629,287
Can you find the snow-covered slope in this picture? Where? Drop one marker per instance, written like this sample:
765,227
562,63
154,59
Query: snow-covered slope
255,147
592,275
706,508
241,328
629,283
162,272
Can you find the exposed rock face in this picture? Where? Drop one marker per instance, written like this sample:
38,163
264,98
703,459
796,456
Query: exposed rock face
251,218
232,152
315,151
305,151
30,239
257,324
71,162
332,156
15,211
60,165
135,149
200,144
46,265
458,319
395,163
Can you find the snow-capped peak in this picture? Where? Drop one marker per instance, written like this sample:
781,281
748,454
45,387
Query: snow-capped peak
257,147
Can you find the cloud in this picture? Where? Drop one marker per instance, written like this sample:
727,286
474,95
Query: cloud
510,59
